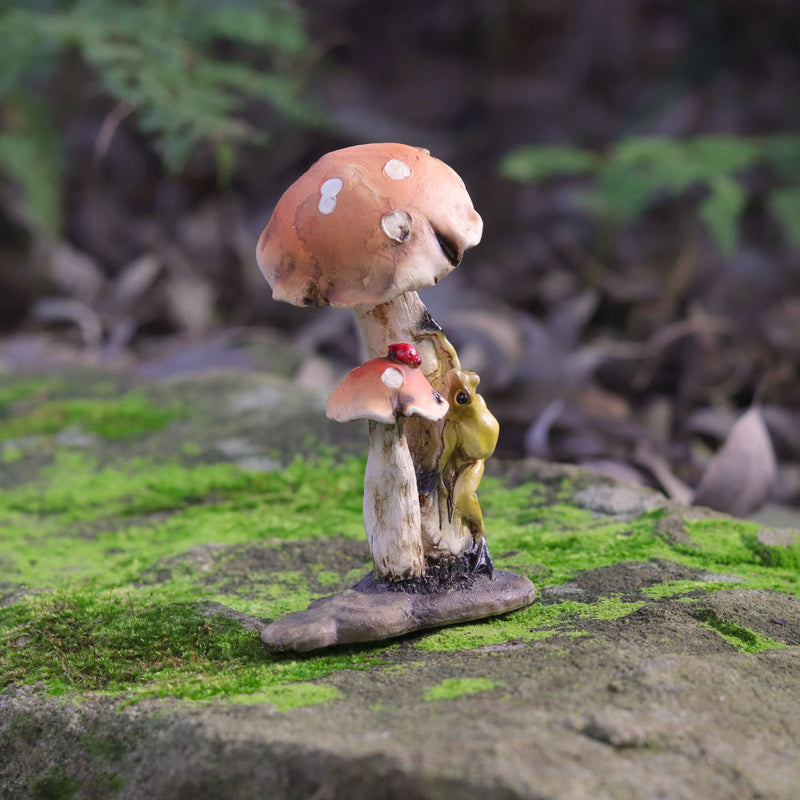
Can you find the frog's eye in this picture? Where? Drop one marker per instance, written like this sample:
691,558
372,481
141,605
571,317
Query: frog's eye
462,398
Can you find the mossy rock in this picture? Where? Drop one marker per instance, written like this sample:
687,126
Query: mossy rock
150,530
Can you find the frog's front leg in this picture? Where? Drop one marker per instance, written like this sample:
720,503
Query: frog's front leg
465,499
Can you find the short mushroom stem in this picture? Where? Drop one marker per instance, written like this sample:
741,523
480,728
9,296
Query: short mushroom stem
391,504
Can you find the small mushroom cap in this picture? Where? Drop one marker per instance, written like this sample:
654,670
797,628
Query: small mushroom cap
366,224
384,390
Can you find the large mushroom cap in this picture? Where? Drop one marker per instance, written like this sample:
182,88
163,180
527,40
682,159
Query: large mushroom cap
366,224
384,390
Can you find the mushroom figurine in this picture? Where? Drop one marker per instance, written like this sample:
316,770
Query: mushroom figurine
386,391
364,228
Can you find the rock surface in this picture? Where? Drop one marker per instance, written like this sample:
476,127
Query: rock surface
139,563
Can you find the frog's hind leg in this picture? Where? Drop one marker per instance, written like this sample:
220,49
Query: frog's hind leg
465,500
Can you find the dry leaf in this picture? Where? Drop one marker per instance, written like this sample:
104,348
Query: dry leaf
134,280
612,468
711,421
569,319
76,273
62,309
740,477
537,439
646,455
190,303
784,428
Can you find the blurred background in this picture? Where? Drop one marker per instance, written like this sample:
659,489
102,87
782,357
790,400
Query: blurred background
634,305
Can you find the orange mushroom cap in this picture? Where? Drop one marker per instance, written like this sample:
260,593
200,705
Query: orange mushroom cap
366,224
384,390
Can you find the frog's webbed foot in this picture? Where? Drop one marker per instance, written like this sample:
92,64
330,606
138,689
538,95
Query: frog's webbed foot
479,560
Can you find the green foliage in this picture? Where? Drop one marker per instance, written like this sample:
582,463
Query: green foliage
30,155
786,207
539,162
635,173
168,62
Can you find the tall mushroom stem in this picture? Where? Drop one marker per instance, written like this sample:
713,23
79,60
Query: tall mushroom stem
406,319
391,504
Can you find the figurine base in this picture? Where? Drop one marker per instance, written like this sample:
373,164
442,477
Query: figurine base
372,611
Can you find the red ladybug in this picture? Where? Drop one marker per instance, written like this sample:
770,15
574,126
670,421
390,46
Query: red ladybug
405,354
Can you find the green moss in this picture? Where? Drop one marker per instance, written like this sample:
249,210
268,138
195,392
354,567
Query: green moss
268,675
144,646
101,745
721,540
279,595
680,588
560,537
78,488
534,623
125,417
327,578
77,640
54,529
402,668
552,543
781,556
744,639
10,454
12,391
150,640
609,608
55,784
85,528
288,696
480,634
26,728
458,687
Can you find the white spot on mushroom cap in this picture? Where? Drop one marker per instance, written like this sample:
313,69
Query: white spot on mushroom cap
392,378
327,204
331,187
396,169
328,191
396,225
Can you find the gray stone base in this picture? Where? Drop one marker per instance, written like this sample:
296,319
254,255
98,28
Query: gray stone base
372,611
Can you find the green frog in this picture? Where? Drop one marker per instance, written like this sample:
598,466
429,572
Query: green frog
469,436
